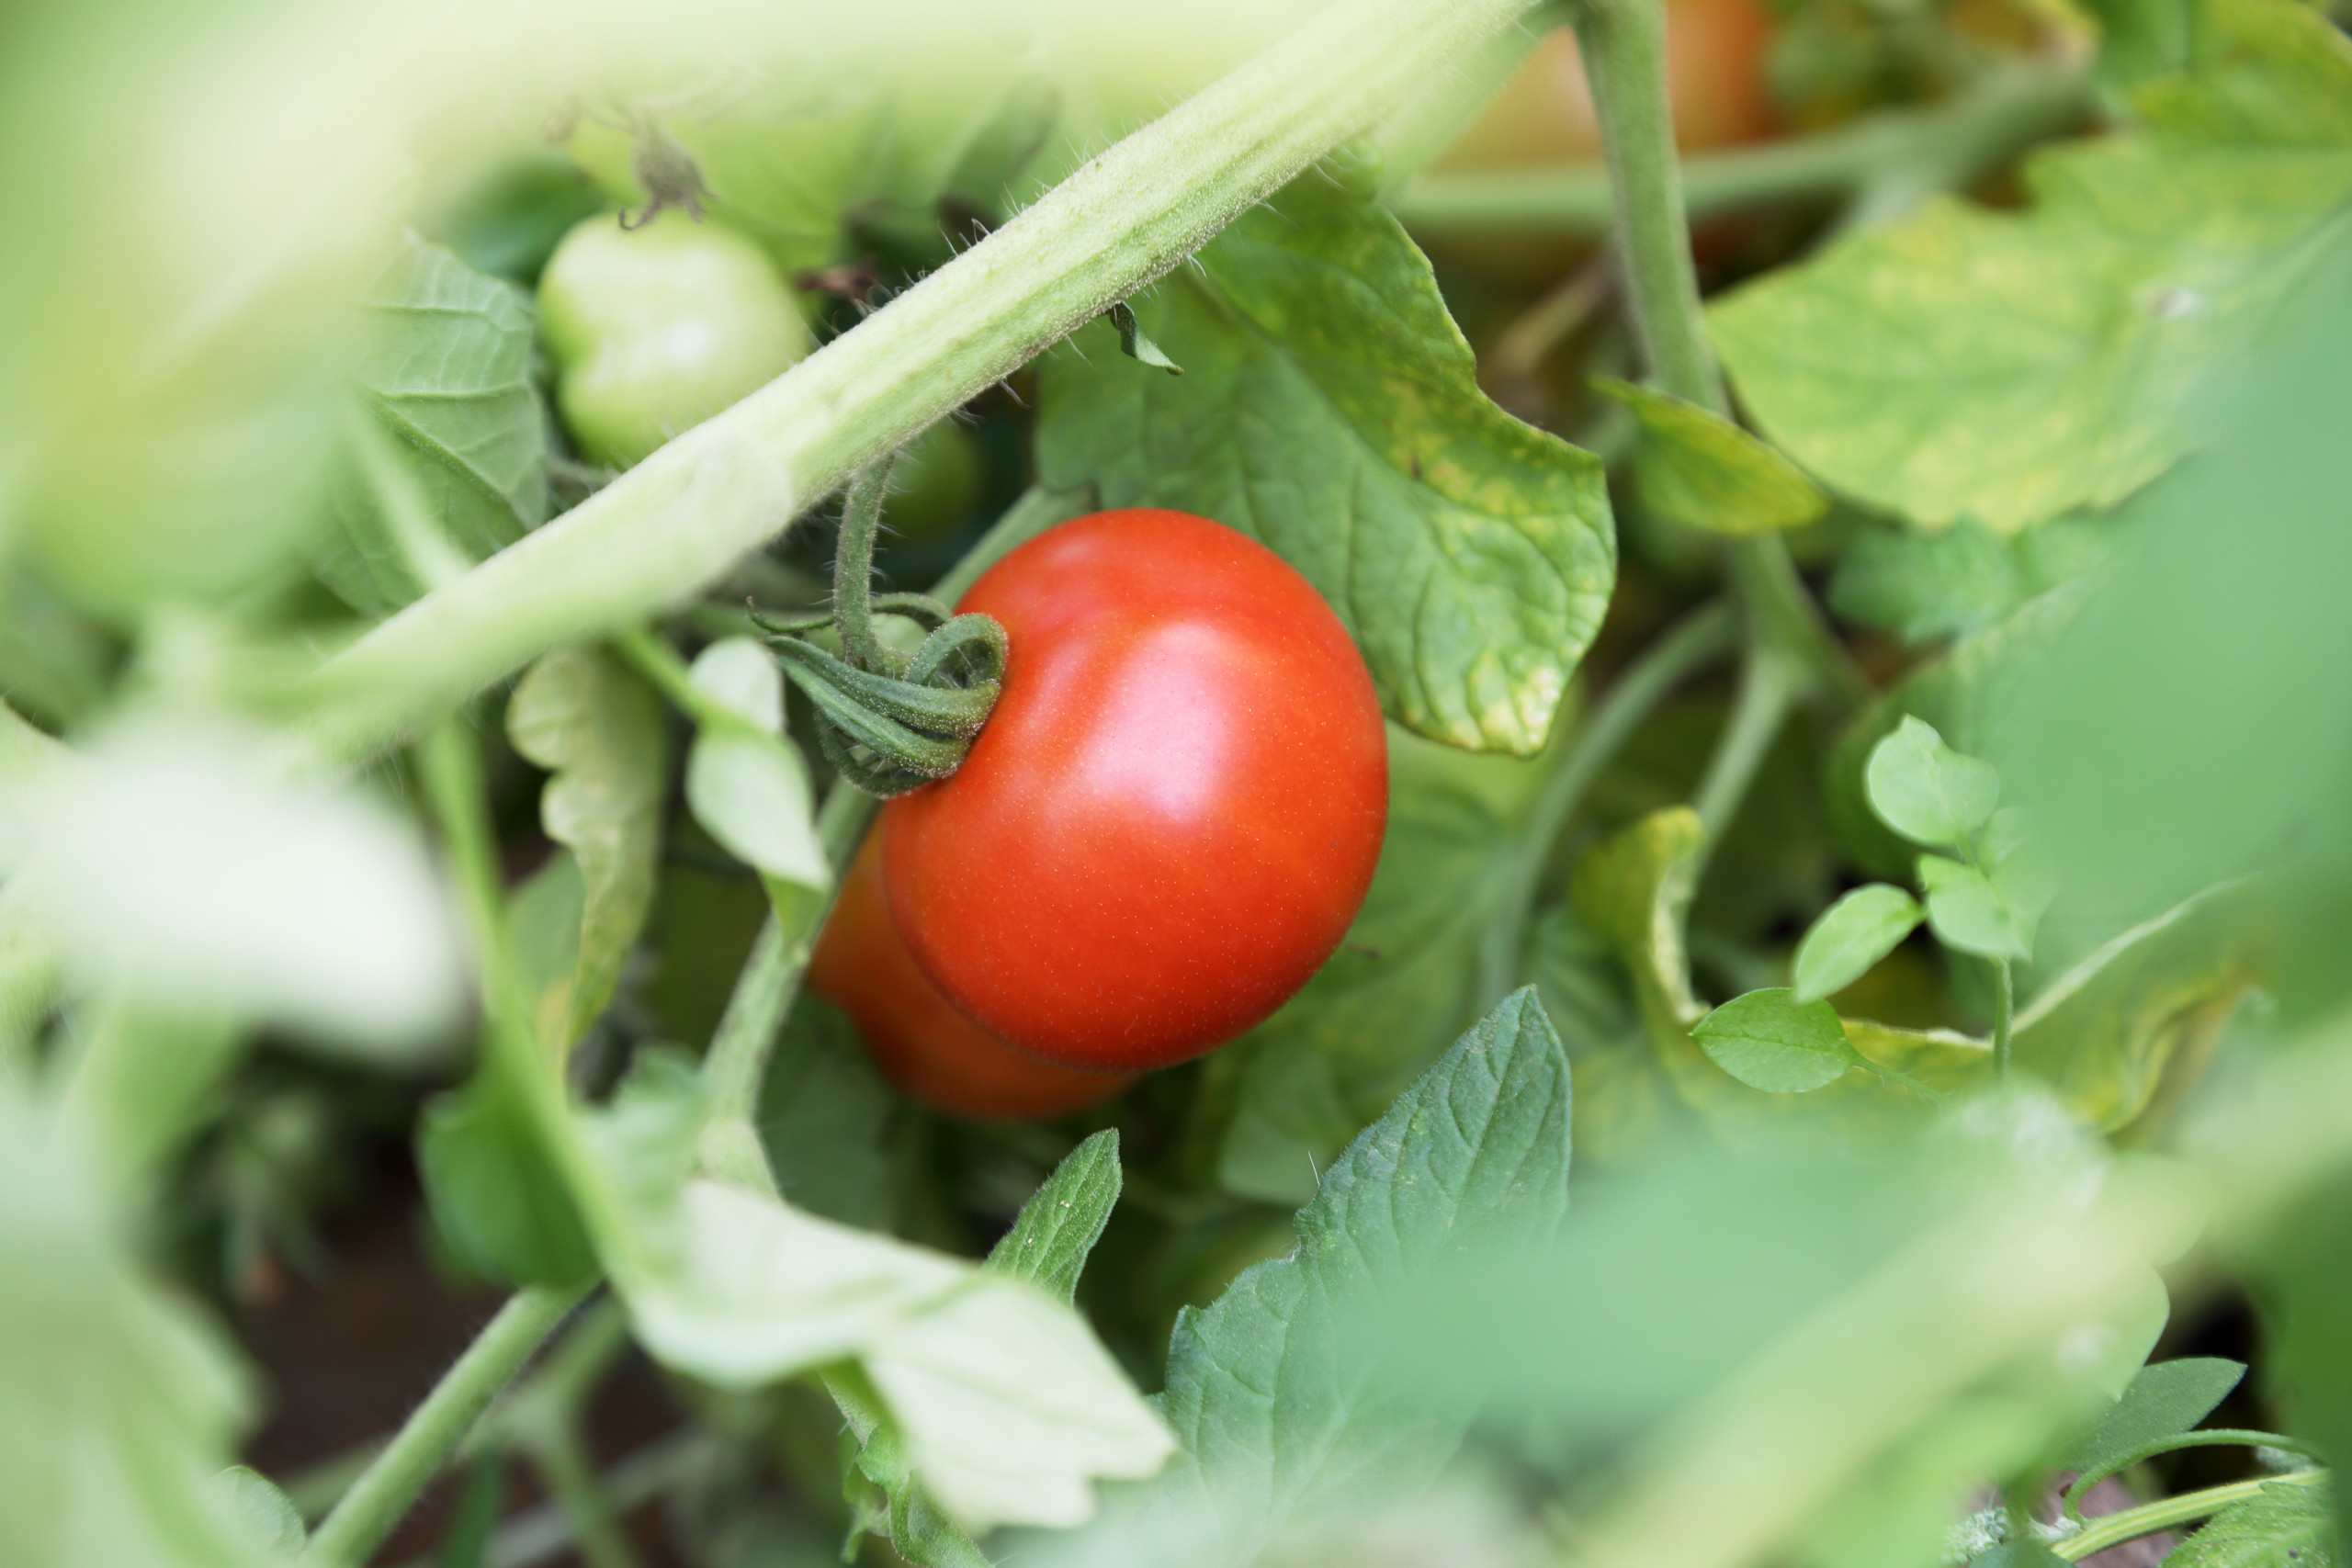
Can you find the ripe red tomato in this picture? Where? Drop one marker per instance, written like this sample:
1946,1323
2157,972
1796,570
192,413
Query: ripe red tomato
1714,76
1173,813
915,1035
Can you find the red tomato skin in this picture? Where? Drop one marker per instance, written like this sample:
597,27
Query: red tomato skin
915,1035
1174,812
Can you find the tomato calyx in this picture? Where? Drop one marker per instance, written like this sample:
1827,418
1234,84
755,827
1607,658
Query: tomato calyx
889,721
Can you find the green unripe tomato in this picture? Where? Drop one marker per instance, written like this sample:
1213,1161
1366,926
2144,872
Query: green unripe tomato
654,329
934,483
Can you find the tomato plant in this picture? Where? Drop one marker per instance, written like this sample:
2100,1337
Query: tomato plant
922,1044
1737,966
1174,811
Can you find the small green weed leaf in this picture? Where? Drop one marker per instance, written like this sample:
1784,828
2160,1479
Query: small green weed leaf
1403,984
599,729
1852,936
1922,587
1771,1041
1007,1405
1633,889
124,1402
747,784
1928,792
448,375
2285,1525
1268,1404
2165,1399
2013,366
1063,1219
267,1511
2259,72
1966,911
498,1201
1699,469
1330,409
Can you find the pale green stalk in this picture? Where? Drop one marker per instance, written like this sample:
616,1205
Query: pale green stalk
675,522
2130,1524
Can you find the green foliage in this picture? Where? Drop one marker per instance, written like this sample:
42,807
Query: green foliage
1698,468
2165,1399
1635,889
1961,580
448,377
1850,936
1769,1040
1967,912
2282,1526
825,1119
1061,1222
122,1403
269,1515
1927,791
599,730
2013,366
746,782
1274,1414
1331,409
498,1201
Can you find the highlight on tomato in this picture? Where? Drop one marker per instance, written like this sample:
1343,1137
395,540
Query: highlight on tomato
923,1044
1173,813
655,329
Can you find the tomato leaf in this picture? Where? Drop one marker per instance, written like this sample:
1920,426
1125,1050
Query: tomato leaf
2257,71
1634,888
825,1118
1769,1040
746,783
498,1201
2167,1398
1007,1405
124,1403
2013,366
600,731
269,1515
1922,587
2285,1525
1699,469
1850,936
1928,792
1063,1219
448,375
1331,409
1274,1411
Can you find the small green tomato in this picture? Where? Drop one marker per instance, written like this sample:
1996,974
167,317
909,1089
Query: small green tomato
656,329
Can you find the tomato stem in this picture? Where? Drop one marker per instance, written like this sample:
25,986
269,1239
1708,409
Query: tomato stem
2004,1004
2130,1524
853,573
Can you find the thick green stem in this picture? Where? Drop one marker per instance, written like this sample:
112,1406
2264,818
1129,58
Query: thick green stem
1699,637
2113,1530
368,1512
676,521
1879,165
2004,1004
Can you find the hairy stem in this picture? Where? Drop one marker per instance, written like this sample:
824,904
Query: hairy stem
366,1512
672,525
853,570
1702,635
2113,1530
2211,1437
1770,682
1881,164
